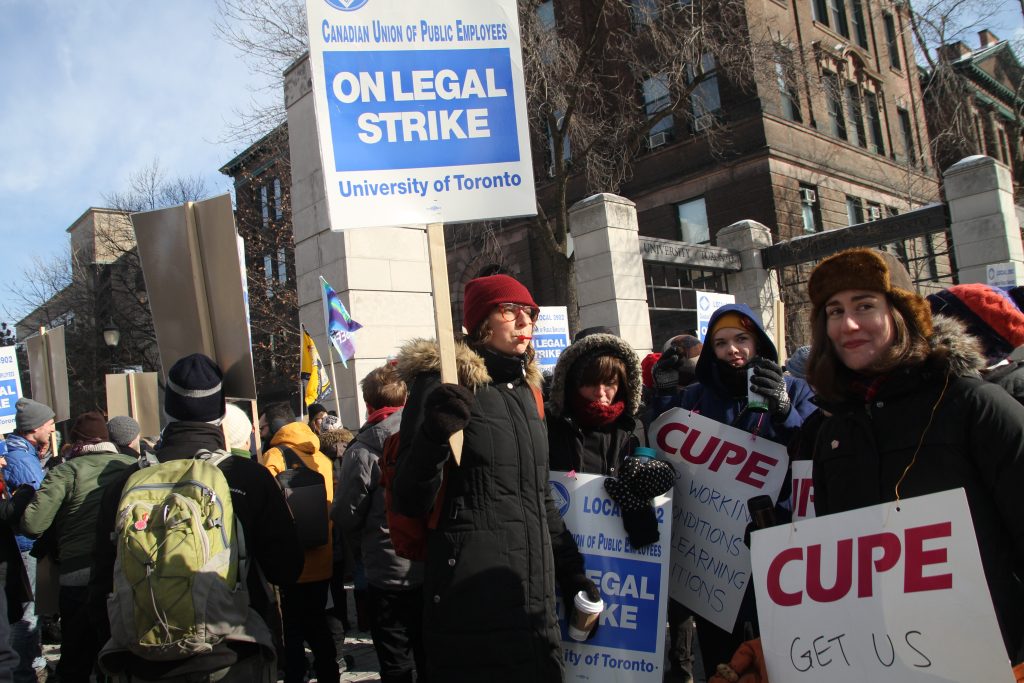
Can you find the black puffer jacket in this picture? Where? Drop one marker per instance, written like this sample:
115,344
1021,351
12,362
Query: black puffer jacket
598,450
975,440
489,587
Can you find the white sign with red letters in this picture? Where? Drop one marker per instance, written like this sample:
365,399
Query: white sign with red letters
720,468
803,489
892,592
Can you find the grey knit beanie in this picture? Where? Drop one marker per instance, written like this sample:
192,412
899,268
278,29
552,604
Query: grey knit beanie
123,430
30,415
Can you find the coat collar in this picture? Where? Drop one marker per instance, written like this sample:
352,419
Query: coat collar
421,355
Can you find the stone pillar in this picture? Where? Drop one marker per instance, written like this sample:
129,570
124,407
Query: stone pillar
381,274
754,285
983,218
609,268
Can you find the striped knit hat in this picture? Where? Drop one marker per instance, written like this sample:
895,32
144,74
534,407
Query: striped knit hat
195,390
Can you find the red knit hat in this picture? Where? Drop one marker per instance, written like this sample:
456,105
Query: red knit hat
484,293
989,313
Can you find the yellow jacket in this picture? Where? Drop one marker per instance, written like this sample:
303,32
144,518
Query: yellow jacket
301,439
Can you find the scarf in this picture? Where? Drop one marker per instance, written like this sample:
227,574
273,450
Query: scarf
594,414
382,414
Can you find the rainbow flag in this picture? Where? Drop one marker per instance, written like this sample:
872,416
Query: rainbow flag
340,325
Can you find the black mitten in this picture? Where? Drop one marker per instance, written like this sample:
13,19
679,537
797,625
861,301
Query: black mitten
666,370
641,480
22,496
641,526
769,382
646,477
446,411
570,587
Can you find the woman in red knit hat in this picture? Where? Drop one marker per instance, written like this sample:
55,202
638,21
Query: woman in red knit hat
500,544
908,415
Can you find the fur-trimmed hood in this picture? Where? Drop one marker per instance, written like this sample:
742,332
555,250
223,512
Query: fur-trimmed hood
417,356
953,346
592,346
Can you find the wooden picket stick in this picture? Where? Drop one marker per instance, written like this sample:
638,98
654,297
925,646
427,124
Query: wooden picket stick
443,319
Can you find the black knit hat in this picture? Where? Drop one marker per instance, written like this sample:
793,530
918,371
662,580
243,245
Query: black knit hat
195,391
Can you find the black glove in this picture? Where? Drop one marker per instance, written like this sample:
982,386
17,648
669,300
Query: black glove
666,370
447,411
570,587
21,497
641,479
768,382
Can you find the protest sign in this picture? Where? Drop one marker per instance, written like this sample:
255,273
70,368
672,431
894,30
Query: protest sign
421,111
892,592
707,304
720,468
630,642
135,394
10,387
48,371
550,335
803,489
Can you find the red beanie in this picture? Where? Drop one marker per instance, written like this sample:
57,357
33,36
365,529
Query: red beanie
484,293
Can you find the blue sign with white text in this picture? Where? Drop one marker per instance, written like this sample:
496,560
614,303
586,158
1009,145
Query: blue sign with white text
8,397
389,111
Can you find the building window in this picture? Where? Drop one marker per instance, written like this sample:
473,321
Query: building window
908,135
809,209
282,266
268,273
876,141
278,200
820,10
855,115
693,221
835,104
784,79
860,31
656,99
891,40
704,98
643,13
265,206
546,15
854,210
1004,147
837,9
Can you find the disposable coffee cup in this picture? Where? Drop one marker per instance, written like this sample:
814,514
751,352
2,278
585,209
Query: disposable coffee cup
584,616
755,401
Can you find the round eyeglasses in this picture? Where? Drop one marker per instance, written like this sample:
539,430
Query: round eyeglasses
510,312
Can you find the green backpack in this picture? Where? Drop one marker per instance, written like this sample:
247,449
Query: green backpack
179,578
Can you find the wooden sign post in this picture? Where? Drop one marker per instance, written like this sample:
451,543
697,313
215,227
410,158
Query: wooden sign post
443,318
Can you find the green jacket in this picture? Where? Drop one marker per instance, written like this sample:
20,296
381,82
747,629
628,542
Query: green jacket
70,498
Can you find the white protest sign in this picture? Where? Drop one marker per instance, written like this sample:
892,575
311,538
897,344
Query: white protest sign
421,111
720,468
803,489
1002,274
892,592
550,335
10,387
630,641
708,303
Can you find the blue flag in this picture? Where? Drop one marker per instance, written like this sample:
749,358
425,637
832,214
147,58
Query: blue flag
339,323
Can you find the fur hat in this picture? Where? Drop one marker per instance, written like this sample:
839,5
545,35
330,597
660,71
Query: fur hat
195,390
989,313
237,427
123,430
871,270
31,415
484,293
90,428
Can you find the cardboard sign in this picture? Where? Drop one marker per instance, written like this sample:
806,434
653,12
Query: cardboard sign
550,335
892,592
48,371
194,278
135,394
707,304
630,642
10,387
720,468
803,489
421,111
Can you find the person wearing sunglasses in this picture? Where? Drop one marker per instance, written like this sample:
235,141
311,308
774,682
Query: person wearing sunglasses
499,545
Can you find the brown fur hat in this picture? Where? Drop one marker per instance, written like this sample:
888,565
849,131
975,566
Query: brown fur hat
870,270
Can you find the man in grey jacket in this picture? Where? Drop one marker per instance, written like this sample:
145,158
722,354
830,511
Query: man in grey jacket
395,595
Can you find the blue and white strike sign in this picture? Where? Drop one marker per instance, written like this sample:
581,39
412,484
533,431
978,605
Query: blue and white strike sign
630,641
550,335
10,388
708,303
421,111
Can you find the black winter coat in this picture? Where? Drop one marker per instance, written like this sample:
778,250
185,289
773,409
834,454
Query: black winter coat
489,588
975,440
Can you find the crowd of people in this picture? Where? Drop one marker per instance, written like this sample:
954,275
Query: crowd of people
192,559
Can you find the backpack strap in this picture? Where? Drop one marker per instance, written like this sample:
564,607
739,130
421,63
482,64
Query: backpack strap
291,460
148,459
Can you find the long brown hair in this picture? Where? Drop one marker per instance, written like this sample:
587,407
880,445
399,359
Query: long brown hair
831,379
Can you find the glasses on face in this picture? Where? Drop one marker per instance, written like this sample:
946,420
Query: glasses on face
510,312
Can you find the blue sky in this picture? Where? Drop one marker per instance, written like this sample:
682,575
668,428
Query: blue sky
93,91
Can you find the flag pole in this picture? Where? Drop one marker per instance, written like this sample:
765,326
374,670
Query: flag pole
302,388
334,380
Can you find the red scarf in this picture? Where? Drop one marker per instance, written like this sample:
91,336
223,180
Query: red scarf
594,413
382,414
